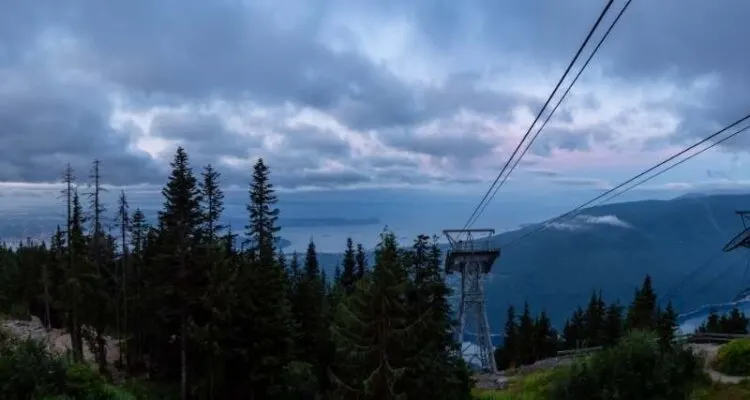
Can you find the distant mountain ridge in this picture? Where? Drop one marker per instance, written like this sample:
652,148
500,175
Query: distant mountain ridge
611,248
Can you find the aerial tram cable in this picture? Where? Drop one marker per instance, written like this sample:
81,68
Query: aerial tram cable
612,193
669,295
544,107
716,278
549,116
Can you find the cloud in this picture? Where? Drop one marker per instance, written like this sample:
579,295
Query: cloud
346,94
582,221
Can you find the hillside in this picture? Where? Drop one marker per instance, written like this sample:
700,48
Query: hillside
611,247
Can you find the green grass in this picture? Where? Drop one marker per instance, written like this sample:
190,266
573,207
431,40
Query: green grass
717,391
535,386
532,386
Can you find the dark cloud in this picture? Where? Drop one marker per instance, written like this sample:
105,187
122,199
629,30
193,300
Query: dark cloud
151,54
205,132
680,40
45,124
232,49
559,138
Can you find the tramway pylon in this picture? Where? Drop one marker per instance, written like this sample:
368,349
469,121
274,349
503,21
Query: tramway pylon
743,238
471,255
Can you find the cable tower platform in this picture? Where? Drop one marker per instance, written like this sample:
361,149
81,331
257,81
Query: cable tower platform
743,238
471,255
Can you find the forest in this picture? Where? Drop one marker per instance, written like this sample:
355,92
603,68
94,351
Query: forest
527,339
203,312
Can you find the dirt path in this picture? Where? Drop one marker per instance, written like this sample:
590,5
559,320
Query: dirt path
709,352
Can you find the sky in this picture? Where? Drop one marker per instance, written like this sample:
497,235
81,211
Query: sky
420,100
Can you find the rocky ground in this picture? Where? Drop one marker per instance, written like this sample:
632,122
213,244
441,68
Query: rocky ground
57,341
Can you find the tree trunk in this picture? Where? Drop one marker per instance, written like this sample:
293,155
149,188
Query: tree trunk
183,355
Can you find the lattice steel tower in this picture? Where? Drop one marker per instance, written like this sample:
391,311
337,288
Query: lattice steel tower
472,256
743,238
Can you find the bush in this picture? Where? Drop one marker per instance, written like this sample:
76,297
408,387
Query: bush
635,368
734,358
29,371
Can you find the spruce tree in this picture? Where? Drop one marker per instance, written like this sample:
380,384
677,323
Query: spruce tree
361,261
435,370
526,336
511,343
262,228
612,329
370,329
348,267
545,337
642,312
594,319
213,204
666,325
180,221
265,344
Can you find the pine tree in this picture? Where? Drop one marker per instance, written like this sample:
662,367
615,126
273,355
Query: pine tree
102,279
361,261
612,329
642,312
510,355
526,336
574,331
434,370
213,204
666,324
348,267
122,299
311,296
262,228
180,221
263,309
370,328
594,319
544,338
75,250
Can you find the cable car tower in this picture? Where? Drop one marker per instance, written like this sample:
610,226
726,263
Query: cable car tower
743,238
471,255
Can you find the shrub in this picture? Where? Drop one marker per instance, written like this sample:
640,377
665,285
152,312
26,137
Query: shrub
734,358
635,368
29,371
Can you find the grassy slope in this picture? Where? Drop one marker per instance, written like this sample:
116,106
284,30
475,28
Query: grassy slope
534,387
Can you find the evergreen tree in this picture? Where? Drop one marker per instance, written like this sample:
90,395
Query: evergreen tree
612,329
180,222
311,297
262,228
545,338
510,348
526,336
574,332
666,325
642,312
263,309
594,319
370,329
349,265
434,369
361,261
213,204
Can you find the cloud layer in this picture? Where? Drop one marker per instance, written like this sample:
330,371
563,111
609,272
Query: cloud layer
338,94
